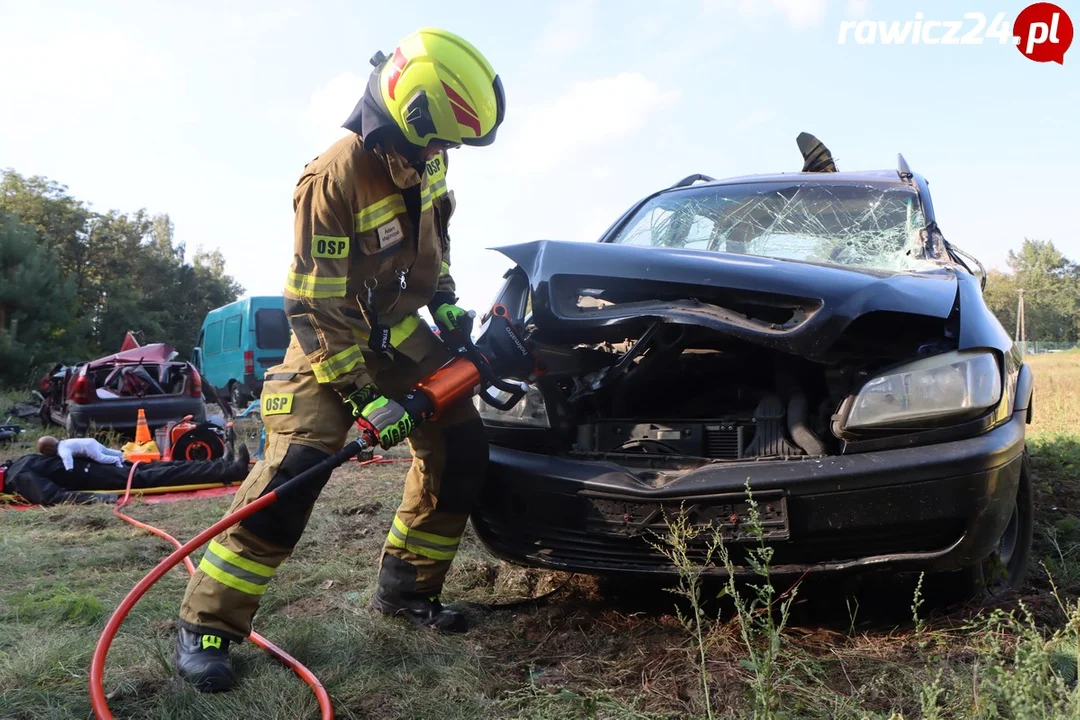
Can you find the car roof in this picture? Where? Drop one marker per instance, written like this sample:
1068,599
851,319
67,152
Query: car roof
862,176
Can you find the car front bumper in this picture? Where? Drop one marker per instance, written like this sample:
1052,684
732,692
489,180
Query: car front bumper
935,507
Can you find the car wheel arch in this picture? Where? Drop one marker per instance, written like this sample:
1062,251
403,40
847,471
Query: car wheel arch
1025,391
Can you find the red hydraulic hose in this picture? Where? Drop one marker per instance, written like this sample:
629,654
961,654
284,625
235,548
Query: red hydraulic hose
97,664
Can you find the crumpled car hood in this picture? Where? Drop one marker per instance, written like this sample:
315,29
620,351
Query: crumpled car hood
714,290
153,353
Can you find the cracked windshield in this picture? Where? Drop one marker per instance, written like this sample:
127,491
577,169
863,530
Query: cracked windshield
870,226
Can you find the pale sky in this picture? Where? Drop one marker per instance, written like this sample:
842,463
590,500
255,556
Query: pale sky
209,110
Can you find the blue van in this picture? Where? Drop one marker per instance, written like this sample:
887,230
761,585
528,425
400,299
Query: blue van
239,342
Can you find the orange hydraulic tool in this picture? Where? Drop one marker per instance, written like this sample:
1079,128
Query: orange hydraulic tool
502,352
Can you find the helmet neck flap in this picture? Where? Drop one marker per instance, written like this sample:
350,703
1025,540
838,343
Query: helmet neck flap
372,122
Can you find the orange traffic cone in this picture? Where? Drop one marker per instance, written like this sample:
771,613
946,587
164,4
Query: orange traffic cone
142,430
144,449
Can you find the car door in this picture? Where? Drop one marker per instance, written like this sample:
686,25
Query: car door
216,370
232,346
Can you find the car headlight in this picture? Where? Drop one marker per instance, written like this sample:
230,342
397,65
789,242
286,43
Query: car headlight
935,388
530,411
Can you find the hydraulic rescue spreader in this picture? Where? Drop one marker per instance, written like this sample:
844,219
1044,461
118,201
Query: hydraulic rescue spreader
502,353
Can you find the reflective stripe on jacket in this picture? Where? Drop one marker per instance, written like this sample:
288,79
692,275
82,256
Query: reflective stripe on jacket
366,223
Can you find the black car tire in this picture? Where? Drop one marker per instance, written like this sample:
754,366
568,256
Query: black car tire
239,396
74,430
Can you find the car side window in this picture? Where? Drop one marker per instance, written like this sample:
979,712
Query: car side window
213,338
231,336
271,328
661,227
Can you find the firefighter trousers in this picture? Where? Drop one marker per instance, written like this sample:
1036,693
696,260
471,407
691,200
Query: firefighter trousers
305,422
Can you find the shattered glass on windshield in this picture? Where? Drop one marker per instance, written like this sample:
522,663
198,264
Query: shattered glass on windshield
858,225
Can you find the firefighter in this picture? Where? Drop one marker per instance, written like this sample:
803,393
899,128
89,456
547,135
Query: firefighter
371,248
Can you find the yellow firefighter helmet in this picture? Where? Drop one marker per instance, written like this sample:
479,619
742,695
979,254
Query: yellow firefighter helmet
439,90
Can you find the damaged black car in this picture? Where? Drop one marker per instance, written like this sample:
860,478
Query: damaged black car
812,336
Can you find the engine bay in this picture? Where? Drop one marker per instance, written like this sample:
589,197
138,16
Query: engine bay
691,393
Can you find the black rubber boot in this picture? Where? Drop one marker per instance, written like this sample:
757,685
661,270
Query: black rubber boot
203,661
422,610
241,462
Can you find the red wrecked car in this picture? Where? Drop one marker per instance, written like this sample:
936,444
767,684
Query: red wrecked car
107,393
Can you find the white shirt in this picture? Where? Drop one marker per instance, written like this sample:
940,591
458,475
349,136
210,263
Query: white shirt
90,449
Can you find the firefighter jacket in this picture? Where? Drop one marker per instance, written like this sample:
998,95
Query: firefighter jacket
371,248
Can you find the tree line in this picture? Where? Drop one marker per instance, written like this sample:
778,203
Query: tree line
1051,285
73,281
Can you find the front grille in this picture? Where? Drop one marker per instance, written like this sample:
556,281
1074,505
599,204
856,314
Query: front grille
724,442
729,512
724,439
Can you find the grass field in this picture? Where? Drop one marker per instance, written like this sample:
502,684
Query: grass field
590,649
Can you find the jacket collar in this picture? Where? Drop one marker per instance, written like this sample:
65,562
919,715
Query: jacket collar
402,173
